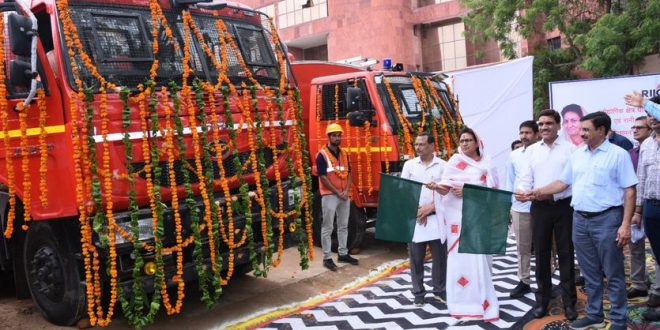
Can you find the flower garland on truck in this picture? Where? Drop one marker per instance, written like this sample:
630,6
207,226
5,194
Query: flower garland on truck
195,101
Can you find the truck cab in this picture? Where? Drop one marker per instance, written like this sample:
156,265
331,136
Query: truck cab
380,112
145,144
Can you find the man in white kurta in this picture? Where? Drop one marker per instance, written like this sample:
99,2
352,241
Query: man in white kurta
429,231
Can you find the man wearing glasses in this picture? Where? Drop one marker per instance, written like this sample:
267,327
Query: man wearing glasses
639,287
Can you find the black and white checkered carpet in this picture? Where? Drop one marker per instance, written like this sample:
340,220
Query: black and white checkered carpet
388,304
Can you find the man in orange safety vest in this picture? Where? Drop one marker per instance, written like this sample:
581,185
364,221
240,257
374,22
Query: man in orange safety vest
334,184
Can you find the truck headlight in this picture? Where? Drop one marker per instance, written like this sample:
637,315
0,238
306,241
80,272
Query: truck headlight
145,229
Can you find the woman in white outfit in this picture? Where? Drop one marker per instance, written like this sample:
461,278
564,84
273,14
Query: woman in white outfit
470,290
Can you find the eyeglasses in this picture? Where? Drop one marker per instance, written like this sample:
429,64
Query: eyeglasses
639,127
466,141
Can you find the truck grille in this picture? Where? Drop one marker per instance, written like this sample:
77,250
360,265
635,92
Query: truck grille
228,164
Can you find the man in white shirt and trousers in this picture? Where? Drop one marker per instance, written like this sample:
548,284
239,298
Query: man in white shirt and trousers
427,168
520,214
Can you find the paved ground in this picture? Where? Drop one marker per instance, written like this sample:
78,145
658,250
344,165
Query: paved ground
244,296
388,304
384,302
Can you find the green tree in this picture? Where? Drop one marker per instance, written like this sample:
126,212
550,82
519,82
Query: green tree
605,37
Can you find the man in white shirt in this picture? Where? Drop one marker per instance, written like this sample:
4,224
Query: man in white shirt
551,214
426,168
520,216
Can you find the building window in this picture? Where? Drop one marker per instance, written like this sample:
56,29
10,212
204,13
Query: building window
443,47
423,3
268,10
294,12
554,43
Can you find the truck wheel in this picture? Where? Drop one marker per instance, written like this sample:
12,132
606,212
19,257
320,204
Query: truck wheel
357,224
52,275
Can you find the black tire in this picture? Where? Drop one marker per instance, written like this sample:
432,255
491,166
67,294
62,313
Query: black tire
357,224
53,276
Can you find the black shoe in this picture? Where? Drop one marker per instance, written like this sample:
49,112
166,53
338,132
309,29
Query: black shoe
651,315
419,301
441,297
654,301
347,259
636,293
570,313
520,290
540,311
586,323
329,264
579,281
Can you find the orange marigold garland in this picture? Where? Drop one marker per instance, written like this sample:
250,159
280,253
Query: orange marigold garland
186,95
88,173
209,298
178,222
336,101
4,116
423,102
358,158
367,147
319,109
43,147
405,142
280,214
261,182
25,166
305,173
278,51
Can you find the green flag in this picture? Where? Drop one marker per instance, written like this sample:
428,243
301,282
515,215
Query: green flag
485,220
398,200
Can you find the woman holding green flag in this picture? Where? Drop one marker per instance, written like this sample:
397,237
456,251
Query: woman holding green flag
470,290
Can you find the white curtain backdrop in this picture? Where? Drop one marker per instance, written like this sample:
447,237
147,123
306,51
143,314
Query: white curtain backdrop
494,100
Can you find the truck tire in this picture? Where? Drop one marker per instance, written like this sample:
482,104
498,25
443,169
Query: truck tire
52,274
357,224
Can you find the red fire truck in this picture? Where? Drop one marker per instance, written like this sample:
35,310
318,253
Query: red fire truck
144,143
380,112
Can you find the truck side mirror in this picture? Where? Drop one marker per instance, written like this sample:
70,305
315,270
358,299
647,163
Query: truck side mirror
358,118
20,73
353,96
20,34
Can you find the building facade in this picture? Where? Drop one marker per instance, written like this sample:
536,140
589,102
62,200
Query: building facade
423,35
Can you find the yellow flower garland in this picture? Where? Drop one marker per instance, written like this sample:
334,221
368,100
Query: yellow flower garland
9,162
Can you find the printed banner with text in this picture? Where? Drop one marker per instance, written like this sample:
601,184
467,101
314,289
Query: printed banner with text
574,99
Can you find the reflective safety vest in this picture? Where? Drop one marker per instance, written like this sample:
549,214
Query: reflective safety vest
337,172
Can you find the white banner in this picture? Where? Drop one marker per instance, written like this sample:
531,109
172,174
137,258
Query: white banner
493,101
574,99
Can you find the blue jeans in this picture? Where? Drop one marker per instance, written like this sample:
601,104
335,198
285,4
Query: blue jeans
597,253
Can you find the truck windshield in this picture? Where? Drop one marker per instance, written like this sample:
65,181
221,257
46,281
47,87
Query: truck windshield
118,41
404,92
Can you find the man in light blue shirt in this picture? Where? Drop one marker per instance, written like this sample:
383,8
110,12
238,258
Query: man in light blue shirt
651,106
603,182
520,216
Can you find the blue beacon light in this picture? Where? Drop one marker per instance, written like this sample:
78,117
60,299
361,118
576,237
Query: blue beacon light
387,63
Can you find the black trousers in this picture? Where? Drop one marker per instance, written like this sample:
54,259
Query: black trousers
417,252
548,218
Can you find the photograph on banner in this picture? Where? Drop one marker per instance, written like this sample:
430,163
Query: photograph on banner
576,98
